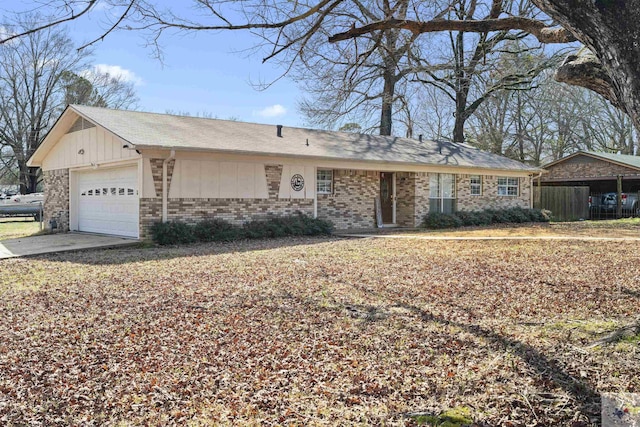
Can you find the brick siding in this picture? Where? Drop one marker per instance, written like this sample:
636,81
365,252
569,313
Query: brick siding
235,211
489,199
56,200
352,203
586,167
405,198
156,171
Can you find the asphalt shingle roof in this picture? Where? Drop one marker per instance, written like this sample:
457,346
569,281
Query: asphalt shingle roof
633,161
151,130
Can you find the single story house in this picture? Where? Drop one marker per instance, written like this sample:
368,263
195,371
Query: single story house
598,171
117,172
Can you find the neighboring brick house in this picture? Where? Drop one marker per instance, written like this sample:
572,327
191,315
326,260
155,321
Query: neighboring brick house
598,171
118,172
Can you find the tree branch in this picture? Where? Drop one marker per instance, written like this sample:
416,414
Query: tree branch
587,71
71,17
537,28
113,27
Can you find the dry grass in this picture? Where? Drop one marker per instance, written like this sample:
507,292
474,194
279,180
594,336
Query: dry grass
318,332
629,227
13,228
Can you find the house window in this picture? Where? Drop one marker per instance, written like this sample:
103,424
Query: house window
324,181
442,197
508,186
475,185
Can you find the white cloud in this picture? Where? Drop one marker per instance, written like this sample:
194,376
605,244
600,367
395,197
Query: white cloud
117,71
272,111
5,32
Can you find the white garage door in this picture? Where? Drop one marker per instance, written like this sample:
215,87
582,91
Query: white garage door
108,201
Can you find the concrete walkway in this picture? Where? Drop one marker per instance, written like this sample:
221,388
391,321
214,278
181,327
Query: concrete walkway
52,243
427,237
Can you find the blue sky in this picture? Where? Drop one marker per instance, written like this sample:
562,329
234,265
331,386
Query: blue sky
200,73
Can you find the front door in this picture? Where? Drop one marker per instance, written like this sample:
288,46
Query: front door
386,197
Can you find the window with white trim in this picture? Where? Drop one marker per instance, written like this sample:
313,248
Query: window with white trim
324,181
508,186
442,197
475,185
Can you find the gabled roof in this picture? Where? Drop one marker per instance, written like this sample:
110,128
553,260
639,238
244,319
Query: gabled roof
620,159
162,131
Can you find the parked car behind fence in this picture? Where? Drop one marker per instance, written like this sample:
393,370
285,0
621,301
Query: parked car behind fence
605,205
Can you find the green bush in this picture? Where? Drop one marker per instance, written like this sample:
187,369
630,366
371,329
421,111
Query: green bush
216,230
498,216
292,225
437,220
473,218
518,215
173,232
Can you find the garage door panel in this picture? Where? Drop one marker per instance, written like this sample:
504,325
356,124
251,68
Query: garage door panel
108,202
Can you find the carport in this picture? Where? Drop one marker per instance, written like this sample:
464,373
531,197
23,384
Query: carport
600,173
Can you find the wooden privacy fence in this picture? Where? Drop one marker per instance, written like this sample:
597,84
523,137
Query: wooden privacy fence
565,203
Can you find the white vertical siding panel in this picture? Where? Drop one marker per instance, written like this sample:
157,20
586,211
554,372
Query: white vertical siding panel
285,183
60,156
66,144
189,178
210,180
116,146
89,139
148,188
98,146
309,182
73,158
228,180
175,188
262,190
108,146
246,188
93,147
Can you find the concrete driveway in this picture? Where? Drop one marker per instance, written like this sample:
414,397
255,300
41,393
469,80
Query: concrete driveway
52,243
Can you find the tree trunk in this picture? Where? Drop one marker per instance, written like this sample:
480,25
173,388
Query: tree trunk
387,103
610,30
458,128
33,179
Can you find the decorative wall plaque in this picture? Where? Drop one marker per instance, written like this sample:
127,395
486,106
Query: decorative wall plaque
297,182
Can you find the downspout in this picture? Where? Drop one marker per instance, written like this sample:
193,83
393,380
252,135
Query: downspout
165,186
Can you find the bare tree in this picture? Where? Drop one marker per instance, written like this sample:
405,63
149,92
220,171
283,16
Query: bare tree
606,128
98,89
608,29
31,71
39,74
357,81
435,115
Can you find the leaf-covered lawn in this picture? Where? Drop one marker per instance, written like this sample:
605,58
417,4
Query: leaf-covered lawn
13,228
318,332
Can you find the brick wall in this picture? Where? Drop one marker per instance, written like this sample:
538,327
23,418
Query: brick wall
352,203
156,171
236,211
56,200
585,167
350,206
490,198
405,198
422,197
